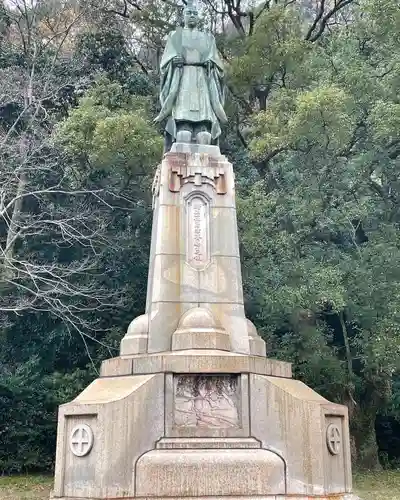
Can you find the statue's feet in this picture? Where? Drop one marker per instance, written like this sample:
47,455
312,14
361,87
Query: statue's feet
184,136
203,138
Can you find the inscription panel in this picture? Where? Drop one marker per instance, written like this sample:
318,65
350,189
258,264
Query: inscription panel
198,231
206,401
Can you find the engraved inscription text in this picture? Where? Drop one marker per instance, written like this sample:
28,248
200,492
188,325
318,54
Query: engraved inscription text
198,242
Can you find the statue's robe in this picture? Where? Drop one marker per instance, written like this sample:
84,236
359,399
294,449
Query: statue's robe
190,93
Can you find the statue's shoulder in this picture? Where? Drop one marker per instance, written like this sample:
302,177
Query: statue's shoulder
175,37
175,33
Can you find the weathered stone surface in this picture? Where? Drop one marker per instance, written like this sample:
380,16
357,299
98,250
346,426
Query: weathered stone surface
207,443
116,367
233,319
136,338
168,235
224,232
198,329
195,250
256,343
239,497
221,282
163,473
114,408
164,320
133,345
176,280
291,419
195,361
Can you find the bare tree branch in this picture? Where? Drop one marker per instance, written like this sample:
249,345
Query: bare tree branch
323,18
43,206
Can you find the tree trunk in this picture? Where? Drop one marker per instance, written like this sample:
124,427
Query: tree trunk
12,233
364,435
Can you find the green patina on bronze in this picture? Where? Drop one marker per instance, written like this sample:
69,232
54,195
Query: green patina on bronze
192,81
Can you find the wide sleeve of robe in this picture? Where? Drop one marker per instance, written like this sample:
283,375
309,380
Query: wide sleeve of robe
216,83
170,76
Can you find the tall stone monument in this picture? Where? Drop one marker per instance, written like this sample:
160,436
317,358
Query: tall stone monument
192,408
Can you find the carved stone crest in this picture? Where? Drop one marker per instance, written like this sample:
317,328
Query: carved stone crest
334,439
81,440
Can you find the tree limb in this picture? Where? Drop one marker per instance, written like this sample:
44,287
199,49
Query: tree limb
323,19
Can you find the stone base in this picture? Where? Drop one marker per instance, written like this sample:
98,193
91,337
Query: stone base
182,432
192,409
195,472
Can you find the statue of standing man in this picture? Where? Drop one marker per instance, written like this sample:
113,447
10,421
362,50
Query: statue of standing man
192,84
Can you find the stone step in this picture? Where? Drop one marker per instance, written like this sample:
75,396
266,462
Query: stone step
207,443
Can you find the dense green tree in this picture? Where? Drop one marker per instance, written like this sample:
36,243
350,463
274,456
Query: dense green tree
320,228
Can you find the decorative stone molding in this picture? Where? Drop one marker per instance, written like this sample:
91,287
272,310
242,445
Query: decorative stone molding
136,338
198,169
257,344
81,440
198,329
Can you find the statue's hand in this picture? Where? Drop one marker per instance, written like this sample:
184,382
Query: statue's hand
178,61
209,66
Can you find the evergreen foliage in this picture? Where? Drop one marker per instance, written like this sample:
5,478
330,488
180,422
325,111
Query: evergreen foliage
314,139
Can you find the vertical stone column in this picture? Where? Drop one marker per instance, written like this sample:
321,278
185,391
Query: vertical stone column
194,260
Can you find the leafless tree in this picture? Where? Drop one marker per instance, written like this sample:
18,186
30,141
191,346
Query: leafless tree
46,214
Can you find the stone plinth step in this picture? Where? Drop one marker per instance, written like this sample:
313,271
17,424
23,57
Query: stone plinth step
197,472
194,361
207,443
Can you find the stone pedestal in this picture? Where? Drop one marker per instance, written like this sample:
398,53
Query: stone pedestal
192,408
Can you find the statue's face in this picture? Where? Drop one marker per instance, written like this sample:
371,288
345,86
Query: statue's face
191,17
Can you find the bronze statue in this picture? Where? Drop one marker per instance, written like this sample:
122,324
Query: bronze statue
192,84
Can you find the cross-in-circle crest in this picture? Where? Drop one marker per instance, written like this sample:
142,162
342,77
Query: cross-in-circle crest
334,439
81,440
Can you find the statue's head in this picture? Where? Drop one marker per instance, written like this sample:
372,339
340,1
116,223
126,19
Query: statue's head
191,15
